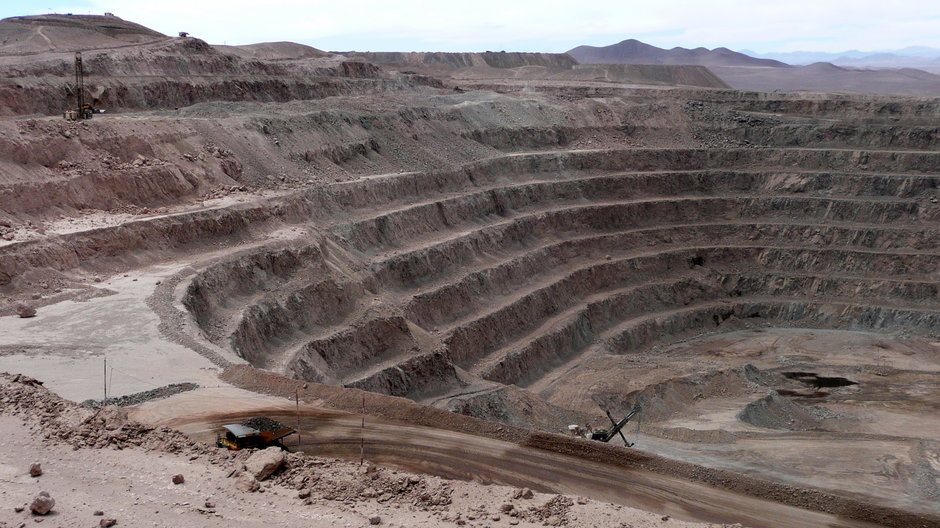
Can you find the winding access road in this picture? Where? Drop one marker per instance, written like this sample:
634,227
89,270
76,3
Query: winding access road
464,456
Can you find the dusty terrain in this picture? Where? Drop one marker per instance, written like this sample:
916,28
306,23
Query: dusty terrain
492,252
102,462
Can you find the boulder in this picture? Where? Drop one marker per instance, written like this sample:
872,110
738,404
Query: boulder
24,310
35,469
264,463
524,493
247,483
178,479
42,504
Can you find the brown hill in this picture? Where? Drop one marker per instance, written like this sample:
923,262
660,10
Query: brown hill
657,74
633,51
41,33
466,60
273,51
630,74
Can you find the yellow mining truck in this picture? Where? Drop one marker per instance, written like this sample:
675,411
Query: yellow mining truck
240,436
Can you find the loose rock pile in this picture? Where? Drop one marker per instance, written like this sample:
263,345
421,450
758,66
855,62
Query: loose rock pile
263,423
314,477
552,513
140,397
61,421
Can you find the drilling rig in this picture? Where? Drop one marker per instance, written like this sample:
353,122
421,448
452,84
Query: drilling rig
82,109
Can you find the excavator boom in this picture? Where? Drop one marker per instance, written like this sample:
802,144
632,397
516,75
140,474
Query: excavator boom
606,434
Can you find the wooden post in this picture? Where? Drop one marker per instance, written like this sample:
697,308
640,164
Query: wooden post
105,380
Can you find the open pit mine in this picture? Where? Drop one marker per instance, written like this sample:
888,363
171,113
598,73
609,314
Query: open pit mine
448,263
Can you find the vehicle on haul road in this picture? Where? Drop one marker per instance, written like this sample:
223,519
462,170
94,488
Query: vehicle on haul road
239,436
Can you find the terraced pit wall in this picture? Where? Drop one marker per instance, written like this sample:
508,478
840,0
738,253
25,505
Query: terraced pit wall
504,267
176,73
588,252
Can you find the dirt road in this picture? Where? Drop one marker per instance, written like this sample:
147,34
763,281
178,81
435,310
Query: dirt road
465,456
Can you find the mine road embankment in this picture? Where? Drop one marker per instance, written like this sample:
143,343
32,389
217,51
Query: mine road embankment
464,456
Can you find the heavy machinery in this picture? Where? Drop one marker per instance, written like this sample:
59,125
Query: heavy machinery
241,436
604,435
82,109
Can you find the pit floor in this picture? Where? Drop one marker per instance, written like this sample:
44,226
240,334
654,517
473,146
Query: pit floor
880,442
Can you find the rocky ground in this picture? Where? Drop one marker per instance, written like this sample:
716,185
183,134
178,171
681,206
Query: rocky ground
98,466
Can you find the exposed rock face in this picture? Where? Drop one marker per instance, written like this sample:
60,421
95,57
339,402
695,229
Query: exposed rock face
264,463
42,504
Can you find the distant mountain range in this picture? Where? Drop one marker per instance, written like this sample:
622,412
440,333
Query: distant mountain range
635,52
854,71
910,57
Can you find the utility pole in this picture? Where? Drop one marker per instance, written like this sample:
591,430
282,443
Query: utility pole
362,432
105,380
80,83
297,401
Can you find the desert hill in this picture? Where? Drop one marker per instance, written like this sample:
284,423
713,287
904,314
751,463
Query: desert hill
560,67
920,57
633,51
824,76
41,33
749,73
467,60
273,51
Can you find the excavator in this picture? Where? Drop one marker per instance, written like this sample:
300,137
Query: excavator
604,435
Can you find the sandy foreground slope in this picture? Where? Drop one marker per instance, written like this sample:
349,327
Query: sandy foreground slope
102,462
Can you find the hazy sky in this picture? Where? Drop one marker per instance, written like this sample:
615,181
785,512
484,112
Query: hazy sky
543,25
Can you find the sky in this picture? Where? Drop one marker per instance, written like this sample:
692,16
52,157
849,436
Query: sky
526,25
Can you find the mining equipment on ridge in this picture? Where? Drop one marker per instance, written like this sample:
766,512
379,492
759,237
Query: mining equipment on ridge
257,433
604,435
82,109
